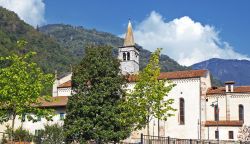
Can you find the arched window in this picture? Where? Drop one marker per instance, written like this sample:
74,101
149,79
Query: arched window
216,113
128,56
241,112
124,56
182,111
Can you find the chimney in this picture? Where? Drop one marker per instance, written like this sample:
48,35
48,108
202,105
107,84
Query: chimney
229,86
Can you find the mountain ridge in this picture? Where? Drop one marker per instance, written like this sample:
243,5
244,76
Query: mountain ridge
77,37
50,55
227,69
59,46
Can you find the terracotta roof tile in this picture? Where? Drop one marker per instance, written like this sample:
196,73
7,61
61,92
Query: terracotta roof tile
216,90
224,123
163,75
175,75
59,101
241,89
221,90
64,85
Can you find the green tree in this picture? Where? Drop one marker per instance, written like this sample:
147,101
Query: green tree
95,111
148,98
21,85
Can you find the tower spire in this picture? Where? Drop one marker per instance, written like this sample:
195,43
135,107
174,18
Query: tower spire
129,38
129,53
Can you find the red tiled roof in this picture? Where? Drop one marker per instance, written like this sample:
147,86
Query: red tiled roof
221,90
175,75
66,84
216,90
58,101
163,75
224,123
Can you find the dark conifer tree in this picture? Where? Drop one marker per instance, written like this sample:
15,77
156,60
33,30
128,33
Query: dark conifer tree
95,111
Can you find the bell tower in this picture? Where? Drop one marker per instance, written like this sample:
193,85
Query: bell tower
129,54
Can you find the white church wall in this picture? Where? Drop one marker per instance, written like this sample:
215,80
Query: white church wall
210,109
236,100
233,100
223,132
189,89
205,85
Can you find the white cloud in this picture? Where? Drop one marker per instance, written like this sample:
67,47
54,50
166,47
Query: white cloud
183,39
31,11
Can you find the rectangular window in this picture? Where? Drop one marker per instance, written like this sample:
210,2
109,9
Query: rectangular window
10,116
216,113
241,113
38,132
216,134
62,115
182,111
39,118
23,118
231,135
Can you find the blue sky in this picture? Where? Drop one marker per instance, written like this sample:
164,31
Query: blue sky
230,17
229,20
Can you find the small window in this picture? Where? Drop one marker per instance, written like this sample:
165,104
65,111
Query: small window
10,116
128,56
182,111
216,113
241,113
216,134
23,118
38,132
124,56
230,135
62,115
39,118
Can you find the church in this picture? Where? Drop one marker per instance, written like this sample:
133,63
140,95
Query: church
203,111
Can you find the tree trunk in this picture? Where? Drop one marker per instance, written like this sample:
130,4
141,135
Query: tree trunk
148,129
148,126
12,128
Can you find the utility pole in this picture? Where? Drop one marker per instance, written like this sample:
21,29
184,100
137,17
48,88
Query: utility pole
215,105
158,127
217,112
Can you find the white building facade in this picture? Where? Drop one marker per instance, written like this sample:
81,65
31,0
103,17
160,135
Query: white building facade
229,112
